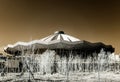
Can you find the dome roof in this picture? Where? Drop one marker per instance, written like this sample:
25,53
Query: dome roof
60,36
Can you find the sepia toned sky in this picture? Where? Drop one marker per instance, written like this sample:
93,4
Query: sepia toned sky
91,20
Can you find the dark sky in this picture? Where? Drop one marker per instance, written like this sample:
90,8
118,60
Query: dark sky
92,20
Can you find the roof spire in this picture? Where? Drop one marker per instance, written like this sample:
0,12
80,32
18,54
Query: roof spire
59,32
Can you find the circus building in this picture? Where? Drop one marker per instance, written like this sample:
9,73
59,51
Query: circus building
60,53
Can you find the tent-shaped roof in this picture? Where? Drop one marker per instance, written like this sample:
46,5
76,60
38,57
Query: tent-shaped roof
58,40
59,36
